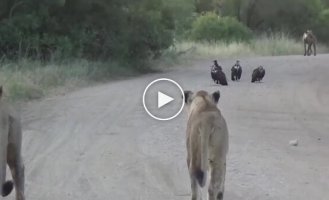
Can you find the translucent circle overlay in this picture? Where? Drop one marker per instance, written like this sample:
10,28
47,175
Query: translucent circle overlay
147,110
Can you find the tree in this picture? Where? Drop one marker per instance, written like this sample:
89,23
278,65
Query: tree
203,6
183,14
321,26
93,29
292,16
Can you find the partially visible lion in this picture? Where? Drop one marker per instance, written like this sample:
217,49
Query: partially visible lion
309,41
10,152
207,143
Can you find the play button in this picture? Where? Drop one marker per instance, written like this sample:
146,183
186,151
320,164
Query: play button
162,99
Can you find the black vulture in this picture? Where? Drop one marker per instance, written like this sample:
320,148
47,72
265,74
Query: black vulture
258,74
217,75
236,71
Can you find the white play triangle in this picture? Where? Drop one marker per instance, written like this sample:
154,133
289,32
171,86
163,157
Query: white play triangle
163,99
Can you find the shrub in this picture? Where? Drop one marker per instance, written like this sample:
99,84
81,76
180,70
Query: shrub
321,28
95,30
211,27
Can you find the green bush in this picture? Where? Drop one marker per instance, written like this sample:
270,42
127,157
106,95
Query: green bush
211,27
95,30
321,29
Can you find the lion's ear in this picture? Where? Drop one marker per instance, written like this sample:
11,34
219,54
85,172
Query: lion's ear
216,96
188,96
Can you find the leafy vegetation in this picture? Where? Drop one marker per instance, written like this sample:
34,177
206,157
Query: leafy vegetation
210,27
289,16
95,30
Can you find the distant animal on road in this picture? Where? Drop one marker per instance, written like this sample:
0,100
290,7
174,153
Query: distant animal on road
236,71
217,75
10,152
206,143
310,41
258,74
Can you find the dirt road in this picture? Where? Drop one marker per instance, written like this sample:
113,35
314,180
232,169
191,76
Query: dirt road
98,143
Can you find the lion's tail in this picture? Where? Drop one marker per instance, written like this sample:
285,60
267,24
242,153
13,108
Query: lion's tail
200,159
5,186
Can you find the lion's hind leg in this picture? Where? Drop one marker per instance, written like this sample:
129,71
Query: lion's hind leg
216,187
5,186
17,170
194,187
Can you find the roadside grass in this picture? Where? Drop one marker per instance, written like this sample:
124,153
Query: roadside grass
27,80
273,45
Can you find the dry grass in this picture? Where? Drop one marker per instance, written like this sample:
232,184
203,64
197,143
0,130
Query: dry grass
27,80
274,45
